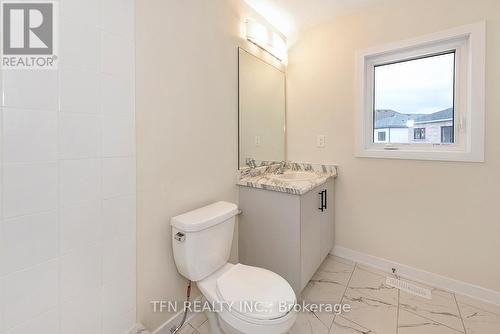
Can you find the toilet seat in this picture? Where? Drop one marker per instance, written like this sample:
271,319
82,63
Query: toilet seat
255,295
236,323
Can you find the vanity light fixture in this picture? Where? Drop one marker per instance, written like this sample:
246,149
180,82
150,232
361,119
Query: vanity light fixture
266,39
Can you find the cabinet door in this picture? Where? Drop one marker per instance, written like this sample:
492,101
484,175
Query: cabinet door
327,220
310,234
269,232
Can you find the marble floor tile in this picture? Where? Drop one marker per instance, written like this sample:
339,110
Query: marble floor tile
344,326
478,304
323,292
374,306
442,308
332,270
197,319
318,290
372,311
371,284
187,329
342,260
203,329
308,323
409,323
478,321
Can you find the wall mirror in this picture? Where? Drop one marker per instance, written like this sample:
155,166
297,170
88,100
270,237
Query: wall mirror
262,107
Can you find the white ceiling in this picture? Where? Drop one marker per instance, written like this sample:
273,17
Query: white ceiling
291,16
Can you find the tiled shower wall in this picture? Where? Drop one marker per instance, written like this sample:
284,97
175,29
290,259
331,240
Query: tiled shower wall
67,230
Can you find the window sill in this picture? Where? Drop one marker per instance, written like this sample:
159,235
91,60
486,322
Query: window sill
458,156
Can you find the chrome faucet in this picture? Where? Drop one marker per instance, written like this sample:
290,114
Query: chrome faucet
251,162
281,168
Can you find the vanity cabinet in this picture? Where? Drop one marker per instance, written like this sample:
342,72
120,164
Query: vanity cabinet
285,233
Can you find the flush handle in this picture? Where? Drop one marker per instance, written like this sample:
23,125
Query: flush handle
181,237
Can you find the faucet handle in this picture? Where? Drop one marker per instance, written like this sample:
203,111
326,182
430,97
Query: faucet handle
251,162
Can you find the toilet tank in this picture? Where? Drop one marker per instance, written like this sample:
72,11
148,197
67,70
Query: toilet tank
202,238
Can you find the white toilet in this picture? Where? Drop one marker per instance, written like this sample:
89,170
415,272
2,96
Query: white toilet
252,300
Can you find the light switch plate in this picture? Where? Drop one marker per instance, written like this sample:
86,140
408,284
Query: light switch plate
320,141
257,141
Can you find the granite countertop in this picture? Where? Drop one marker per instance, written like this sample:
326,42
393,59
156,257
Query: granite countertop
265,177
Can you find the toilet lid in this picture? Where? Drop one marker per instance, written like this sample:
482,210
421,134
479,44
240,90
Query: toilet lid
255,293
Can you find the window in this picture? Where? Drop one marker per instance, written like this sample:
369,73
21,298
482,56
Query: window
381,136
427,94
419,133
446,134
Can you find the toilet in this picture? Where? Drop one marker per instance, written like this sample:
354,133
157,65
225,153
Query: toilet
246,299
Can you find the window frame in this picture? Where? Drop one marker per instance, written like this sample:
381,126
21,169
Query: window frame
441,130
384,136
420,131
468,43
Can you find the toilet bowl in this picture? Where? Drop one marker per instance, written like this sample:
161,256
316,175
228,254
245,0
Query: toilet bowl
243,299
250,299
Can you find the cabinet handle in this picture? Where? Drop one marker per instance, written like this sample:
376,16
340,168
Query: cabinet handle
321,208
325,206
323,195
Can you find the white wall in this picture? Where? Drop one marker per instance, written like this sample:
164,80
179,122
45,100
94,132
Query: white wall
437,216
187,128
67,248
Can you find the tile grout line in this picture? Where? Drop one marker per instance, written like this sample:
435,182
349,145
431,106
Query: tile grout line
354,322
437,322
343,294
397,313
58,207
460,313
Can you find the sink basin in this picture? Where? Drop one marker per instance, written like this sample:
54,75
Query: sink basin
295,176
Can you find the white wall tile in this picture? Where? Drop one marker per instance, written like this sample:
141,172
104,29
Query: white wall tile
2,300
79,91
119,323
116,95
81,11
118,17
116,56
81,315
80,225
79,136
46,323
119,297
80,181
118,217
29,135
118,259
119,290
54,138
29,188
31,89
28,240
30,293
81,272
79,44
118,136
118,176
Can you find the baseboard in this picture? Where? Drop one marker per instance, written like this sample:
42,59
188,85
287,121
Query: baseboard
419,275
175,320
